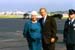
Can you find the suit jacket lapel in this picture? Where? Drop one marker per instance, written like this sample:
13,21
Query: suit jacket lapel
73,21
46,20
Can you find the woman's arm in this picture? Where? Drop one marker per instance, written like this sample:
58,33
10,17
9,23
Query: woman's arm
25,30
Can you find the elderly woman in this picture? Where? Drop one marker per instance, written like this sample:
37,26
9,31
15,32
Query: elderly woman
32,32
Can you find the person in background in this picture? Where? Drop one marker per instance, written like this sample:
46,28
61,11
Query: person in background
32,32
69,31
49,30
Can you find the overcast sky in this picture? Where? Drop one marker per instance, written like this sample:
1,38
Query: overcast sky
29,5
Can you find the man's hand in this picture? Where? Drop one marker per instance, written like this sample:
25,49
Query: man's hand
52,40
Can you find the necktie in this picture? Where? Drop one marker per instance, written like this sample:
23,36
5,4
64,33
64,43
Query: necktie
43,21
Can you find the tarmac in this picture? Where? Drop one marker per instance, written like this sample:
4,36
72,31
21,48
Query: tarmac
18,42
11,37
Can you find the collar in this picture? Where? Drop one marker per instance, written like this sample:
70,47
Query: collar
45,16
34,21
72,19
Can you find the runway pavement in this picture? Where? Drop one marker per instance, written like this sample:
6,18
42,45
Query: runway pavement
11,37
17,42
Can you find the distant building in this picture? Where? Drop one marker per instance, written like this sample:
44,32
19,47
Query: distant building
12,13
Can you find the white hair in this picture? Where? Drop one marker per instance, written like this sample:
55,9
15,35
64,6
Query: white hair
34,13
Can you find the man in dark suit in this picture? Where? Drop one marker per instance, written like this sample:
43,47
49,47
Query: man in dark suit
69,31
49,30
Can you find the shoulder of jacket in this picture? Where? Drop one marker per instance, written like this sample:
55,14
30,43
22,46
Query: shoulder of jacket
49,17
67,20
28,22
74,21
